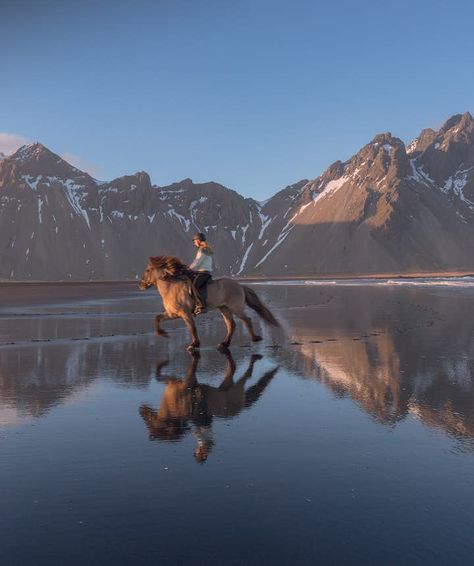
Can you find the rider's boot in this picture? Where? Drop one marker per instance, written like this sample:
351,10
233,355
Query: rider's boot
200,308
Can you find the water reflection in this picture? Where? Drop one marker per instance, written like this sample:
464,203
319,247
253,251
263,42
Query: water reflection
33,380
188,406
395,353
390,386
349,489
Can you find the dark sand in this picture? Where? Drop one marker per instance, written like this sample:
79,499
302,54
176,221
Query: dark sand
352,442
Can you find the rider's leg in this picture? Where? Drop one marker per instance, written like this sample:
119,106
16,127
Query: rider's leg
196,293
199,291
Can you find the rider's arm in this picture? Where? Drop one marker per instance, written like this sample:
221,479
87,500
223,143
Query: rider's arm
197,261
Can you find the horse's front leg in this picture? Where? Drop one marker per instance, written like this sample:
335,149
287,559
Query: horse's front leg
191,326
158,318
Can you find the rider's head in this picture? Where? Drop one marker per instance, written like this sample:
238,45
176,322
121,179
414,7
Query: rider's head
202,452
198,239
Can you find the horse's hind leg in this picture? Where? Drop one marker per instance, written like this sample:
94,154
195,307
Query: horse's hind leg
230,326
248,373
228,381
248,325
191,326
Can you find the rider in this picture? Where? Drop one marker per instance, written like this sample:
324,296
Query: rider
203,265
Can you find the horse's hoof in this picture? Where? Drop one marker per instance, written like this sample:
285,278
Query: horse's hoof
222,347
255,358
257,339
162,333
192,347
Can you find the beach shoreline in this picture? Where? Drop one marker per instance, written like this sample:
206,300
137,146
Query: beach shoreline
309,277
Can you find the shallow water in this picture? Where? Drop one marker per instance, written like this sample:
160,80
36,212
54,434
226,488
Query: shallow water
350,440
462,281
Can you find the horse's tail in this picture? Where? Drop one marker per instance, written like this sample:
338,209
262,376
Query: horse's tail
252,300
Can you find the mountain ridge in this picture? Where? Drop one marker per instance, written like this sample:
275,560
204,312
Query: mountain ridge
389,208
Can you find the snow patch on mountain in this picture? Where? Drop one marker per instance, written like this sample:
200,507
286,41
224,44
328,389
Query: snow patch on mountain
184,221
244,259
456,184
279,241
74,195
419,175
331,188
265,221
40,206
31,181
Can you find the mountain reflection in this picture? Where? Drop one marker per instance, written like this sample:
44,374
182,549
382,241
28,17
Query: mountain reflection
33,380
395,358
370,374
189,406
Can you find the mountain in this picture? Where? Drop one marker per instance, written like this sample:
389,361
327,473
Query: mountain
388,209
57,222
448,161
385,210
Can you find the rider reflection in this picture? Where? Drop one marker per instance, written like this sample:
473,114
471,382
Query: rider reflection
190,406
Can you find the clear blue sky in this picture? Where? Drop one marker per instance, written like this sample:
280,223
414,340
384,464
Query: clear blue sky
255,94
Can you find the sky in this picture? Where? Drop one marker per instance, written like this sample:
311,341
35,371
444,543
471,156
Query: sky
253,94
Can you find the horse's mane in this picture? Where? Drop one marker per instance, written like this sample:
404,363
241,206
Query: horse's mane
171,267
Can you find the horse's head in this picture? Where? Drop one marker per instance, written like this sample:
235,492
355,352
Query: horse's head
162,268
159,428
149,277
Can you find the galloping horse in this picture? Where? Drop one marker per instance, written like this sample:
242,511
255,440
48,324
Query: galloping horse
172,277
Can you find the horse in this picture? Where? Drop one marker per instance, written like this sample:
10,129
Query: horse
172,279
189,406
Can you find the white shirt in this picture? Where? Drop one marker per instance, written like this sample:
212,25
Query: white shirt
202,261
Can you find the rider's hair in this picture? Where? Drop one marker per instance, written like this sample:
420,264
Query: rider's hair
205,247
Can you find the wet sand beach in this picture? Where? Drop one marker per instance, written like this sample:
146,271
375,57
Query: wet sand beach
348,441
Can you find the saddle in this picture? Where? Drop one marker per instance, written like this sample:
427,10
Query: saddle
197,292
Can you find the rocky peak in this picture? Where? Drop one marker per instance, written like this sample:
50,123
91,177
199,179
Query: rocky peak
458,128
335,170
382,145
467,119
458,122
34,150
36,154
141,180
419,144
385,155
185,183
449,150
382,159
35,164
386,142
450,123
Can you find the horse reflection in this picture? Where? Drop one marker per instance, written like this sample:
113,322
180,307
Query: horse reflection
190,406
